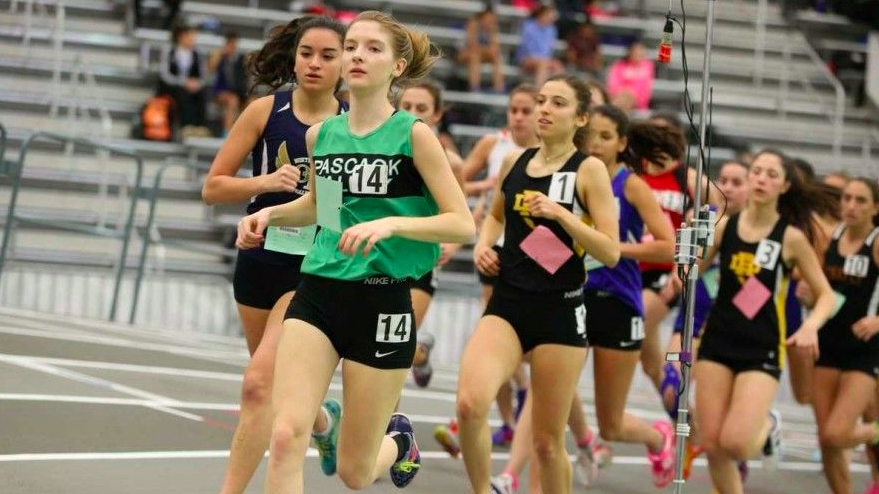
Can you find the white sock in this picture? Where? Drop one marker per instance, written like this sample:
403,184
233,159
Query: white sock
329,418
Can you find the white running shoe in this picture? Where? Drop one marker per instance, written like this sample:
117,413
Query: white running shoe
772,450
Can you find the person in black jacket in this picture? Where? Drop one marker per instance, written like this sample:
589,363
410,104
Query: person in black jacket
182,75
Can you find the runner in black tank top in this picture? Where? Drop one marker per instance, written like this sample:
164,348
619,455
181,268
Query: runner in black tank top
536,307
856,278
273,129
845,375
739,342
520,271
487,155
740,357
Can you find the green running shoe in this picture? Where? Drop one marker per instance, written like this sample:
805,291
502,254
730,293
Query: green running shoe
326,443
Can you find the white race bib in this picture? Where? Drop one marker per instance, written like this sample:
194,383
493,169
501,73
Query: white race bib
393,328
856,265
561,189
767,254
369,179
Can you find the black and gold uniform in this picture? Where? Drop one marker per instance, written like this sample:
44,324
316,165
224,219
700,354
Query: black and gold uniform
730,338
856,277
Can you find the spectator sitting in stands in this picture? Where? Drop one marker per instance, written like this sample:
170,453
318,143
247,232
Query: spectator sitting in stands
630,80
536,40
182,76
482,46
584,50
230,84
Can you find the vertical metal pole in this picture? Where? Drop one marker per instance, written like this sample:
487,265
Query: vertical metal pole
3,167
57,54
784,86
759,41
15,174
683,428
28,23
126,238
146,240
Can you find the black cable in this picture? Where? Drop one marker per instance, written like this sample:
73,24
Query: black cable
689,110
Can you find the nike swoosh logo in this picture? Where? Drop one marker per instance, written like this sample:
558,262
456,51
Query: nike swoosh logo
285,107
380,355
625,344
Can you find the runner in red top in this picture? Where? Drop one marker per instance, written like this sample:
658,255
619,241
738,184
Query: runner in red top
657,153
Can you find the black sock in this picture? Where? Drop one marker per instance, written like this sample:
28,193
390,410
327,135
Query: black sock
403,443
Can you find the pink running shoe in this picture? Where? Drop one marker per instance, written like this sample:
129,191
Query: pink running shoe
447,436
663,462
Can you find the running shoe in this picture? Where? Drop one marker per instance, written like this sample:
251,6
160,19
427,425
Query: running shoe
690,453
405,469
585,467
662,462
422,373
503,436
744,469
602,453
772,449
872,488
504,484
326,442
447,436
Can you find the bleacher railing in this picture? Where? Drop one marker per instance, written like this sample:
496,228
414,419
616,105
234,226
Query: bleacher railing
760,40
122,232
80,87
151,235
3,165
58,30
870,167
835,112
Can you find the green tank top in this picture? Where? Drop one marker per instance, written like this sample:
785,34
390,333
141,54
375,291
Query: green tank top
379,179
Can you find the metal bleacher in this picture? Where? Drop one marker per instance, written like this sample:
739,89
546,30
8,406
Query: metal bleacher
769,90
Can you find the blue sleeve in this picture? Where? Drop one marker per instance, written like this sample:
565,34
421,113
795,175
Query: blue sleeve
529,41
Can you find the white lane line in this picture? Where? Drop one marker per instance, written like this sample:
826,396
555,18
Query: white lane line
312,453
139,455
104,383
143,369
185,405
446,396
223,356
89,400
215,406
53,322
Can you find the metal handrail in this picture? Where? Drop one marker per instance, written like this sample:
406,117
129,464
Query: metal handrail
866,148
760,41
58,32
3,166
835,114
123,234
837,118
149,239
82,78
